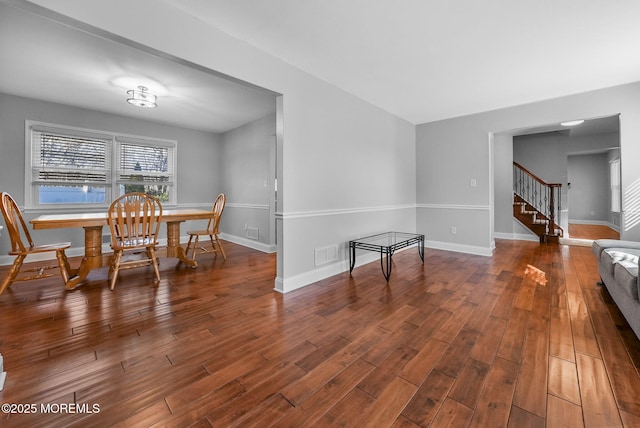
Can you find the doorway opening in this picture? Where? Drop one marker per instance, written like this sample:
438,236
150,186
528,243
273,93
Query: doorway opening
582,159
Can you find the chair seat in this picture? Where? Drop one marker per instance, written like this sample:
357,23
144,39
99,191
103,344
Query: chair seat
211,231
200,232
137,242
22,245
43,248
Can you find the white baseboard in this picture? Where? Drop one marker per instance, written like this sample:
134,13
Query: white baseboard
516,236
459,248
306,278
250,243
106,249
323,272
593,222
284,285
576,241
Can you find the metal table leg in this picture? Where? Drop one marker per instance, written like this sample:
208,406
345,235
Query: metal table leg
386,271
352,256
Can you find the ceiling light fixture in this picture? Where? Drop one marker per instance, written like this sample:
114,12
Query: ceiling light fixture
572,123
141,98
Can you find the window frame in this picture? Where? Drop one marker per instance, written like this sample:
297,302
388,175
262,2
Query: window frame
615,184
120,174
114,141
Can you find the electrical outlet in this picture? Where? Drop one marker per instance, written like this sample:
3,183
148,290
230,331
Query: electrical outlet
453,230
473,182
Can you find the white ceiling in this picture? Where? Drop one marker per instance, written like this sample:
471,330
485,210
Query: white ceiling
422,60
426,60
48,61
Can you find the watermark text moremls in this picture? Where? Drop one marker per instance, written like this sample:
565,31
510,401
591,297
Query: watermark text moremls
69,408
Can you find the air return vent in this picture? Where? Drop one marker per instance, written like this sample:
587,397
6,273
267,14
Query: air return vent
326,255
253,233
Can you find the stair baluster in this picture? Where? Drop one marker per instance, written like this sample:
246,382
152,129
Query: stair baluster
537,204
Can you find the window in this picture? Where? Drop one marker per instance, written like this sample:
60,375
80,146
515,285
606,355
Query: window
145,167
77,167
614,171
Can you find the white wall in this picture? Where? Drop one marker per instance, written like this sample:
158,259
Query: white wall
451,152
347,167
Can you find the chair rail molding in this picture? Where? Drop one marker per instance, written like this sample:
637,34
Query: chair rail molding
455,207
342,211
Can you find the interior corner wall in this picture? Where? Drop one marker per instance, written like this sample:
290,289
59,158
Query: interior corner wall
451,152
505,225
545,155
615,218
248,182
589,193
347,167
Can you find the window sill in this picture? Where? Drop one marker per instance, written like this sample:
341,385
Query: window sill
71,210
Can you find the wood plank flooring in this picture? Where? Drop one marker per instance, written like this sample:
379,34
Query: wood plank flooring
592,231
521,339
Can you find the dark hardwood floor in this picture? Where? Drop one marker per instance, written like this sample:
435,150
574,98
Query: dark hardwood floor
521,339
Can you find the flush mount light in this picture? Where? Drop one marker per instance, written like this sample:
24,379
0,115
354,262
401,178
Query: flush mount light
572,123
141,98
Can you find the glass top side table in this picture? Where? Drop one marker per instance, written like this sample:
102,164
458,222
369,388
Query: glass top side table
386,244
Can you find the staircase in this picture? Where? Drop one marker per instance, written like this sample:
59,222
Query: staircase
537,204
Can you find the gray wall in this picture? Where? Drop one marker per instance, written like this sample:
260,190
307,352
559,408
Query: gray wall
451,152
560,157
248,172
330,142
545,155
590,191
345,167
199,178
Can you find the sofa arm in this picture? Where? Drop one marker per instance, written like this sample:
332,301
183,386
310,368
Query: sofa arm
600,245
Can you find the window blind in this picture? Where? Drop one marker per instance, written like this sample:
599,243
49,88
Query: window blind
145,162
66,160
75,166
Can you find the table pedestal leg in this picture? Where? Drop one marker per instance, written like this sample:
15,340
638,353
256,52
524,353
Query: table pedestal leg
173,244
92,256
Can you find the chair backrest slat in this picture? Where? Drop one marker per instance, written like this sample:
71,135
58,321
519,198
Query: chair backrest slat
16,226
134,220
218,207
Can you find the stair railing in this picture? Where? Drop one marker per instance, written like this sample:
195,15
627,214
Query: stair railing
542,196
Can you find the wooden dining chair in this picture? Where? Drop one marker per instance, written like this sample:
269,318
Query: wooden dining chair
22,245
212,231
134,221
